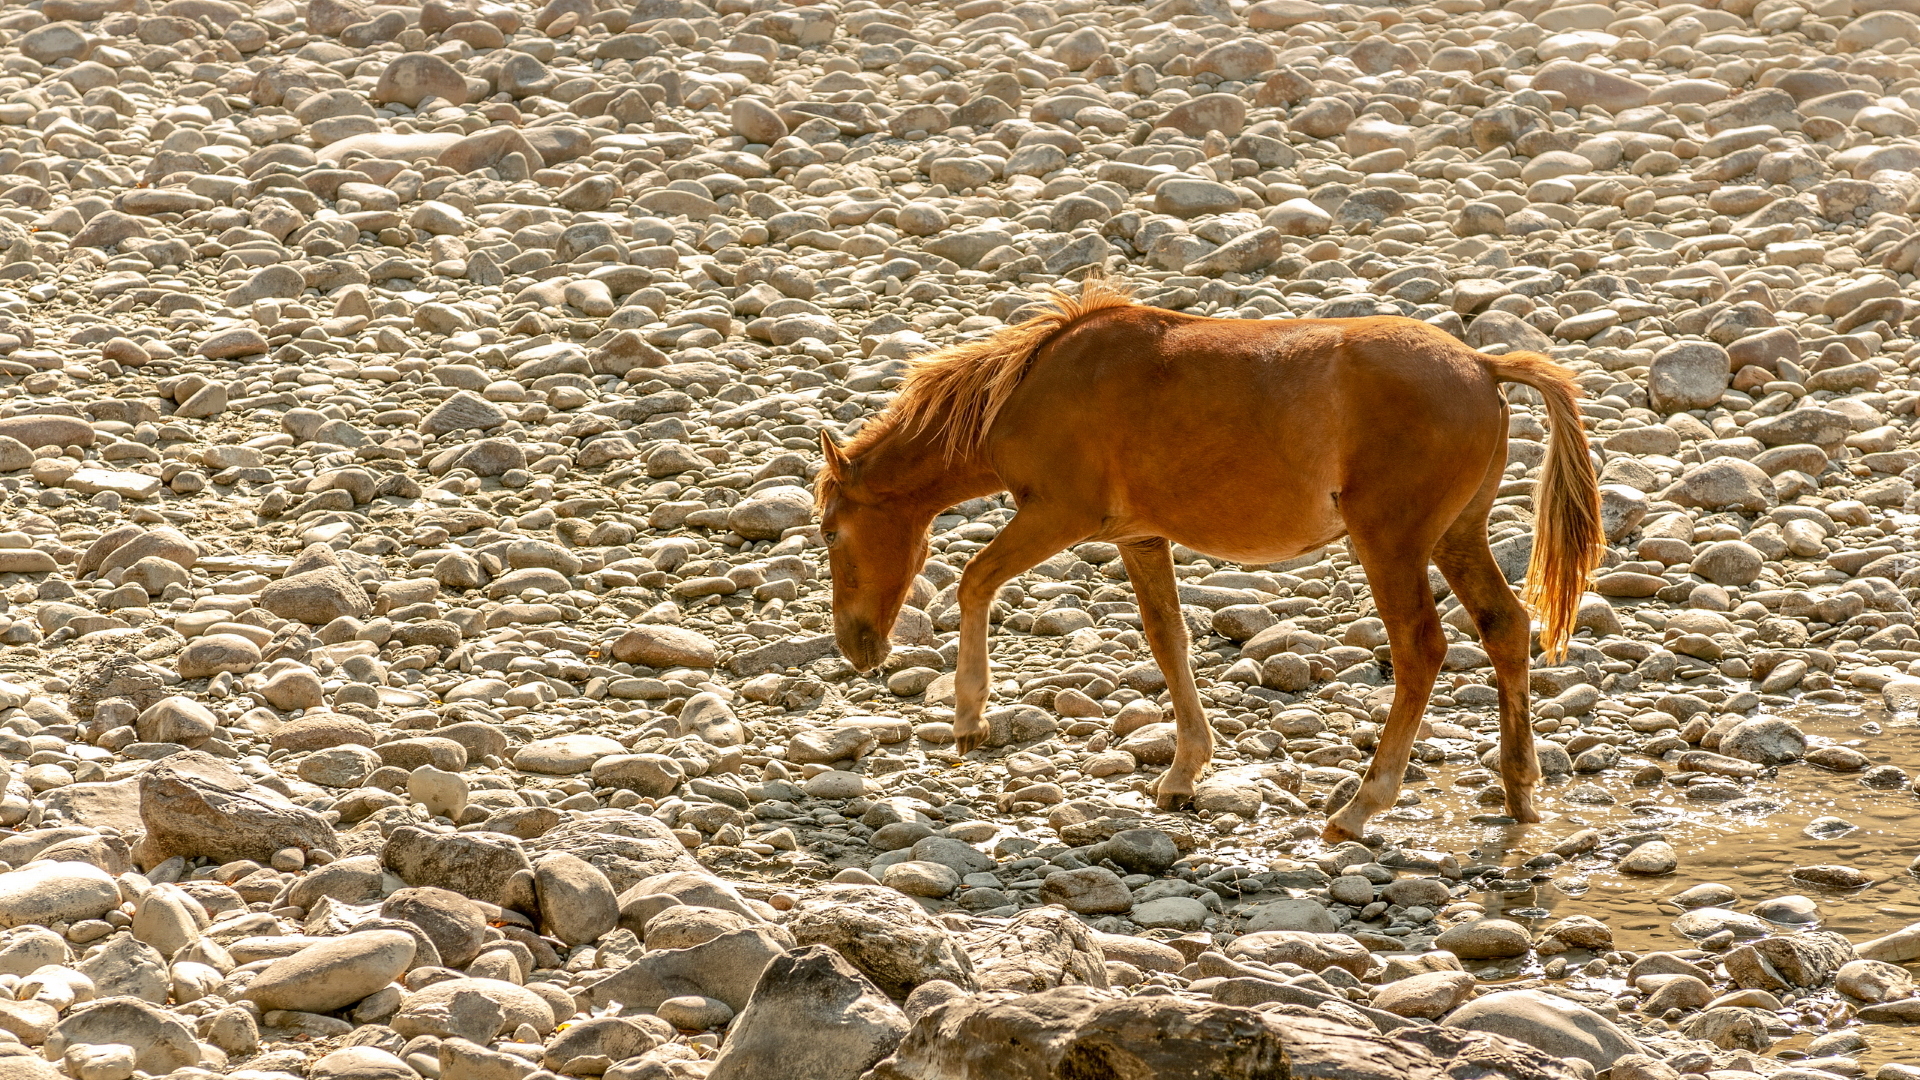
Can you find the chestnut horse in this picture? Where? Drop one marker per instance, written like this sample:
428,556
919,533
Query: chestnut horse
1249,440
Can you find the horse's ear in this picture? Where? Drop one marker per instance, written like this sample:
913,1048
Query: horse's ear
836,458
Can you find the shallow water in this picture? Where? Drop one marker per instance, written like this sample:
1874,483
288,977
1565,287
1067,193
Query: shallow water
1751,853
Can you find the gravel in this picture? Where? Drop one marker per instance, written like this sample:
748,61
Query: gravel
418,653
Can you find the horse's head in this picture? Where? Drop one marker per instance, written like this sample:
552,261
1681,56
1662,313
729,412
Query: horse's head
875,546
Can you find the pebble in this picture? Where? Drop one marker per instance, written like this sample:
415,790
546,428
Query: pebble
1789,910
1708,921
1089,891
694,1013
1485,939
1652,858
1709,894
1874,981
1426,996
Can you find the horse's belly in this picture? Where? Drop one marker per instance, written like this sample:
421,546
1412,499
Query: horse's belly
1277,549
1255,533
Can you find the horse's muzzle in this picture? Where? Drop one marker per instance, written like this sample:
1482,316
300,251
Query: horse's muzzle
863,646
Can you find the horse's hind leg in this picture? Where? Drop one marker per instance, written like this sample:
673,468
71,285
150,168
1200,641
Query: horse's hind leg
1397,575
1463,557
1032,535
1150,566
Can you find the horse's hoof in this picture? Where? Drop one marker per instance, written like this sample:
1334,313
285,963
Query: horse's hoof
1522,809
1336,833
964,744
1173,800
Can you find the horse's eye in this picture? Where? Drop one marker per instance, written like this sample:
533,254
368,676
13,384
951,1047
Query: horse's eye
830,538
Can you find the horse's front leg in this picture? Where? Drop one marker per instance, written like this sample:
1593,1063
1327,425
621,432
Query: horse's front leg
1031,536
1150,567
971,675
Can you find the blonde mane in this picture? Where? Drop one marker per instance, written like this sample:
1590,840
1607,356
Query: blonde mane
956,392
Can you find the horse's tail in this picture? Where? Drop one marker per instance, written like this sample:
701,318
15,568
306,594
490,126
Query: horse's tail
1567,536
957,391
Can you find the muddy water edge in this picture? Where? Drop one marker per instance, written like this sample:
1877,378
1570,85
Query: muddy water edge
1752,845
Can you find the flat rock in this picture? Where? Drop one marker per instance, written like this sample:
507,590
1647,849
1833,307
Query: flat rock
564,755
1552,1024
333,974
726,968
56,892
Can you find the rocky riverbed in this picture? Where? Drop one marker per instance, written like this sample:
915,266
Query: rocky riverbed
416,643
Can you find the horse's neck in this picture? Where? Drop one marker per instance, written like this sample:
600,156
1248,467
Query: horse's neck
915,469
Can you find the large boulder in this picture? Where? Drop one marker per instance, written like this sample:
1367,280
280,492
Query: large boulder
1485,939
1813,424
195,805
769,513
1315,952
811,1015
487,149
456,925
665,647
1506,328
615,1037
626,846
883,933
1767,740
1039,949
1812,958
475,864
1428,995
516,1004
647,897
1583,86
577,902
1074,1032
414,77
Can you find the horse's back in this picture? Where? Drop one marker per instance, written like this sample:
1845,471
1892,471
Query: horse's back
1175,420
1170,369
